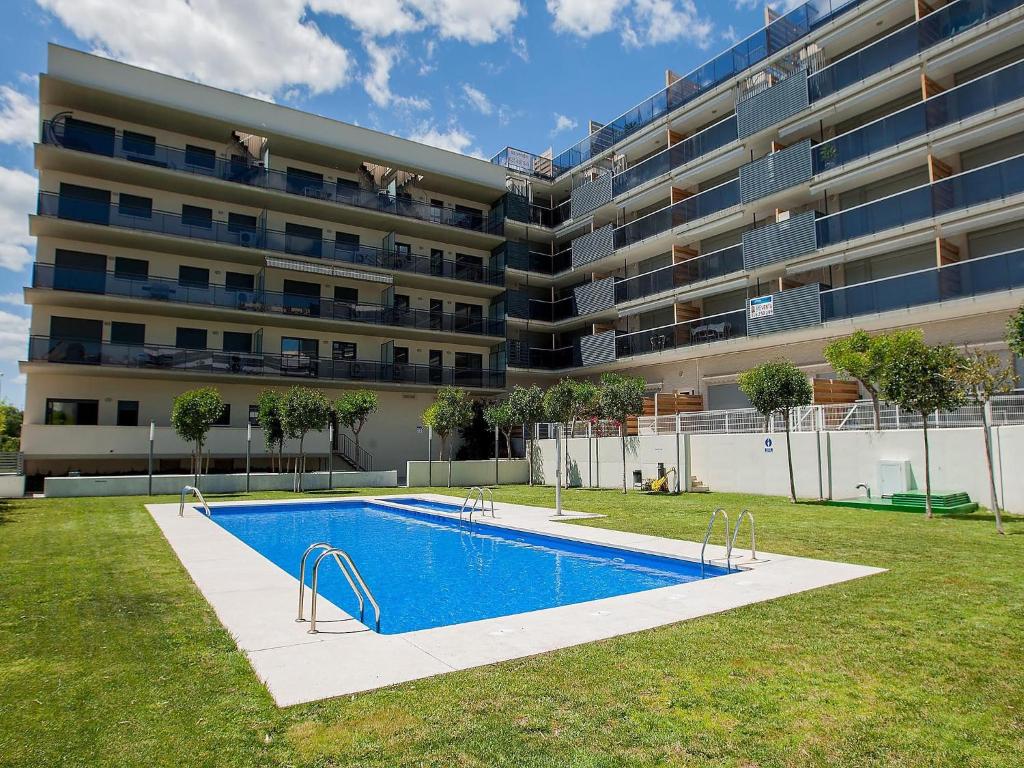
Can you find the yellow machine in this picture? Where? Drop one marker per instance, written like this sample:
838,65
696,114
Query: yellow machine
661,484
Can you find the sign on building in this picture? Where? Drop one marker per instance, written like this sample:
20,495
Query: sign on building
518,160
762,306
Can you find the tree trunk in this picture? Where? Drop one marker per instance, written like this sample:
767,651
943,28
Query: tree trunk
356,433
927,469
449,467
572,428
877,407
529,458
991,470
300,465
789,457
508,443
622,440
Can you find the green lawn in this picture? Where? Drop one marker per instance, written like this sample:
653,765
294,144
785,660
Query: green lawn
109,656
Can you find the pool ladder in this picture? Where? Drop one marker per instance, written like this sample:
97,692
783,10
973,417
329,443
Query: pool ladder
477,494
195,492
348,570
730,543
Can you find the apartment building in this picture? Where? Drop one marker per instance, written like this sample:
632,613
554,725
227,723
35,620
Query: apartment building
853,164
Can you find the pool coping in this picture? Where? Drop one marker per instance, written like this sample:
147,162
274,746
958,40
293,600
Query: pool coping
256,602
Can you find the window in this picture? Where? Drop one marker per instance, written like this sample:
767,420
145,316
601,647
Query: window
196,216
291,345
127,333
468,267
236,341
436,313
469,360
254,414
72,412
303,182
302,240
348,189
401,355
224,420
84,204
89,137
131,269
127,413
344,350
345,295
238,281
401,301
194,277
403,250
242,222
436,210
436,261
190,338
467,217
77,271
436,362
139,143
200,157
301,298
346,241
135,205
468,317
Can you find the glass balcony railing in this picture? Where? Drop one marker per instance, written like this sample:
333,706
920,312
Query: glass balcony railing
981,185
946,22
696,270
972,98
703,330
543,263
520,355
550,217
687,150
974,277
175,292
259,238
695,207
304,185
519,305
725,67
299,366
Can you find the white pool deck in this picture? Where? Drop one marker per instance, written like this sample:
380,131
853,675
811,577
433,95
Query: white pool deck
257,602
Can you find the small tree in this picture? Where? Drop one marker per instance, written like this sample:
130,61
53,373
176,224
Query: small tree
450,410
567,402
10,434
304,409
527,406
862,357
271,405
620,398
776,387
500,416
352,410
192,415
1015,332
923,380
985,375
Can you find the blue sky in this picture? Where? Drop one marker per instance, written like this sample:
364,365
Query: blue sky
468,75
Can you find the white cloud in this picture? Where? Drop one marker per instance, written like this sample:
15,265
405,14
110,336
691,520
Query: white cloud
19,117
455,139
379,18
520,49
17,200
563,123
663,21
377,81
13,336
477,99
730,36
259,47
13,299
583,18
470,21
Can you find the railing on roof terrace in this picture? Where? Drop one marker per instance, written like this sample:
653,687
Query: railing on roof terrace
704,267
942,24
971,98
74,208
303,366
309,185
697,206
703,330
253,300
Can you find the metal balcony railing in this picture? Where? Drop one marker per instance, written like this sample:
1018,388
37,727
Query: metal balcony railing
703,330
692,208
704,267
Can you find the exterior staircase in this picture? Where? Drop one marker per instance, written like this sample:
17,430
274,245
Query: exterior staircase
697,486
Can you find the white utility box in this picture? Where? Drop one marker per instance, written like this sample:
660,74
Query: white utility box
894,477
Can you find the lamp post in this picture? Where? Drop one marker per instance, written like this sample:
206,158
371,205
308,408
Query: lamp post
558,470
248,453
330,457
152,434
496,455
430,456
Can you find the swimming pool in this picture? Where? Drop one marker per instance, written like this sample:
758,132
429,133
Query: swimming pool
428,571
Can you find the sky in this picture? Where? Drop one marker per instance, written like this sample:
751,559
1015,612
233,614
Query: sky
471,76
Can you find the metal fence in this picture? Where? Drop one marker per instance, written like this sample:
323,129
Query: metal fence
12,464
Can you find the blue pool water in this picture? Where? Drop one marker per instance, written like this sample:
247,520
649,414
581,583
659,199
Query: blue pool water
428,571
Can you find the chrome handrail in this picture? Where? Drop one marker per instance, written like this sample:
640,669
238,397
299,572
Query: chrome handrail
302,572
753,534
340,555
707,535
490,495
476,492
195,492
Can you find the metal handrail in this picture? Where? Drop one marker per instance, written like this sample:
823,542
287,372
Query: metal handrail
198,494
753,534
707,535
350,572
476,492
490,495
302,572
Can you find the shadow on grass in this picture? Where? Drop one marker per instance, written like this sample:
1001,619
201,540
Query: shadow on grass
5,512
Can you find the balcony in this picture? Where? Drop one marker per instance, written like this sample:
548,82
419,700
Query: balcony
519,305
965,279
519,355
692,208
705,267
692,333
972,98
156,357
163,290
520,257
118,146
260,238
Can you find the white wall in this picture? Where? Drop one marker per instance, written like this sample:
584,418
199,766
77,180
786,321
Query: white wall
12,486
597,462
467,473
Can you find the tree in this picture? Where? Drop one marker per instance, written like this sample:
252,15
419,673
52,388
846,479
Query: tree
192,414
621,397
923,380
450,410
776,387
500,416
10,432
352,410
527,406
567,402
303,409
985,375
476,439
271,408
1015,332
862,357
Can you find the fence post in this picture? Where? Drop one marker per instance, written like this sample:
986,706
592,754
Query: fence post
897,417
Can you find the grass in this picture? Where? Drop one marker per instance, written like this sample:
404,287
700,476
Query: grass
109,656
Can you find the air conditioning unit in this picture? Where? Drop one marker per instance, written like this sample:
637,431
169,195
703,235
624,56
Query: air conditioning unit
246,238
894,477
